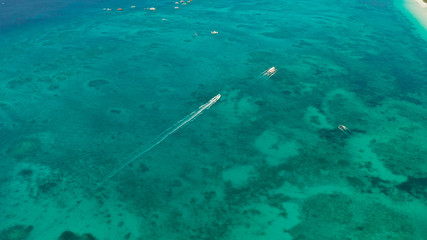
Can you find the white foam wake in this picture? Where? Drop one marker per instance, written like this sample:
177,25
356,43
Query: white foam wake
163,136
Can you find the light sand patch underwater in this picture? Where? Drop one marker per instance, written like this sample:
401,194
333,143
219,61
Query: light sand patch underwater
238,176
275,147
85,94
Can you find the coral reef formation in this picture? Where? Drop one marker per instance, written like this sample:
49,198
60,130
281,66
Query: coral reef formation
17,232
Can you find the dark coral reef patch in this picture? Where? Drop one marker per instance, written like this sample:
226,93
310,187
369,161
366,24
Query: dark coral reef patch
68,235
17,232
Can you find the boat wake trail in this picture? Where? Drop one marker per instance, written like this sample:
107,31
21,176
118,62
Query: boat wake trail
163,136
265,75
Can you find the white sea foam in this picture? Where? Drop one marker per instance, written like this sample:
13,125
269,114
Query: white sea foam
163,136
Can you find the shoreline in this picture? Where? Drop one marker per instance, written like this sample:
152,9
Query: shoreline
416,10
421,3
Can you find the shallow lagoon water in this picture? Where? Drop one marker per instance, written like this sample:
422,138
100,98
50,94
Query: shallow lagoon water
84,90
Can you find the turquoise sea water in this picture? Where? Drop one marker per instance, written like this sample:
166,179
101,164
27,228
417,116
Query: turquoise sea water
84,90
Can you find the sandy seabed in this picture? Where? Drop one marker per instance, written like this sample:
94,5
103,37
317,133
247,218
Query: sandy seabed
82,95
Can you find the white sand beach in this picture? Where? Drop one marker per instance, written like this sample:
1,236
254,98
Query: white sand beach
418,9
421,3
